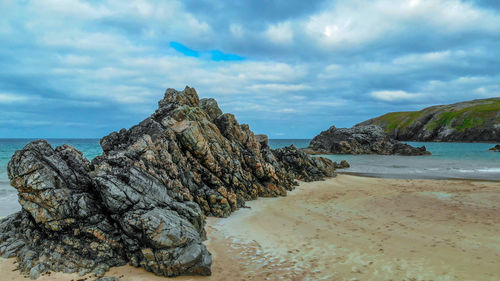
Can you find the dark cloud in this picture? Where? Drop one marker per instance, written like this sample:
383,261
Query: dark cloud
255,14
488,4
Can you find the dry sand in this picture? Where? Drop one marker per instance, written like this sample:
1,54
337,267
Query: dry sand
352,228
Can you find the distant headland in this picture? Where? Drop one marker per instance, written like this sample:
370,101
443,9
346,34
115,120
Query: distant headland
469,121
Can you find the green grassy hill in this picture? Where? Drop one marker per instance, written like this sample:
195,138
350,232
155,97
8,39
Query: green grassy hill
476,120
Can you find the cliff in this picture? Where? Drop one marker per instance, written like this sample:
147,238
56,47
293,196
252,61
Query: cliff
144,200
477,120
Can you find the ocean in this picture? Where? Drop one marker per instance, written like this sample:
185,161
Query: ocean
448,161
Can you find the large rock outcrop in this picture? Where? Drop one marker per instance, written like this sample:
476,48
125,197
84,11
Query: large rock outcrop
360,140
476,120
143,201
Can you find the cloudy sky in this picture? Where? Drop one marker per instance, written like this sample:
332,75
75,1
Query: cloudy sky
290,69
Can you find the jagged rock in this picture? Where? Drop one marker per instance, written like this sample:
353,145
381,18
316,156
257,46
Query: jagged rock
211,107
342,165
369,139
302,166
496,148
143,201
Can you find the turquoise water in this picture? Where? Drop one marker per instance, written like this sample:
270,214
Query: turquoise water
448,160
299,143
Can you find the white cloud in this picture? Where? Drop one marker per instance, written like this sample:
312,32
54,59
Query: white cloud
96,41
431,57
279,87
350,23
394,95
287,110
73,9
11,98
481,91
280,33
236,30
297,98
331,71
471,80
75,59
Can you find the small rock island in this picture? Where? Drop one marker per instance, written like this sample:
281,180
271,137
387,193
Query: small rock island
368,139
144,200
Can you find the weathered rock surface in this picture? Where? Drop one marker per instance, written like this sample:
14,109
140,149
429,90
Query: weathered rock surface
303,167
361,140
476,120
496,148
342,165
143,201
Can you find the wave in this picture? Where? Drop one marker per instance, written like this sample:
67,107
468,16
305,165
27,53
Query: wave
489,170
481,170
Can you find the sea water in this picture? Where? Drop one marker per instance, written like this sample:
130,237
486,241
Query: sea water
448,160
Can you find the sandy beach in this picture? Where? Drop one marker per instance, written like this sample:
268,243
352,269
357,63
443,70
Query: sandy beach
351,228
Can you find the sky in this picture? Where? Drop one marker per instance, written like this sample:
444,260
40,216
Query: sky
288,68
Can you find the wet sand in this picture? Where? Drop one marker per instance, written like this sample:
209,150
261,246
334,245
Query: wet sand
351,228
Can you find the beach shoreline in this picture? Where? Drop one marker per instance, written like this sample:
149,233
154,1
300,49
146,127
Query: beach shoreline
406,177
351,227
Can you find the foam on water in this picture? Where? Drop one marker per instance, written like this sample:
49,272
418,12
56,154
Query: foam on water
489,170
8,200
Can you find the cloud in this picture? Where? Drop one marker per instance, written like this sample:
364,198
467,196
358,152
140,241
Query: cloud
280,33
394,95
236,30
279,87
293,67
287,110
348,23
10,98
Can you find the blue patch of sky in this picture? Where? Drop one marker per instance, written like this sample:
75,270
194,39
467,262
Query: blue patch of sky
214,55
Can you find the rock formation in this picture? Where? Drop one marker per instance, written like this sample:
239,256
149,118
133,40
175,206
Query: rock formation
477,120
143,201
360,140
303,167
496,148
342,165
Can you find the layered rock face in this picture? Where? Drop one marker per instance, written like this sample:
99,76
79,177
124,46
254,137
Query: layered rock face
361,140
476,120
143,201
303,167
